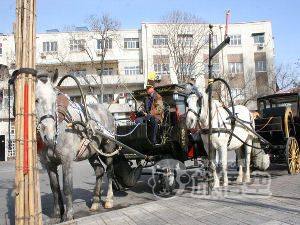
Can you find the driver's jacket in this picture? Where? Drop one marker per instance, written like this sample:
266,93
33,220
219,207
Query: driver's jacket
157,106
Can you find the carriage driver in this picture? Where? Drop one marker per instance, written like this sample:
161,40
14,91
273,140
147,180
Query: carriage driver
153,108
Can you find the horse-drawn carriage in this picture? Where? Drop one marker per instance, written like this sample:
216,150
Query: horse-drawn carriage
172,135
277,121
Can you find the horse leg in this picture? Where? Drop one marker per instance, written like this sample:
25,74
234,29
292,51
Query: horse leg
110,172
214,165
99,172
239,154
223,160
58,210
67,168
247,159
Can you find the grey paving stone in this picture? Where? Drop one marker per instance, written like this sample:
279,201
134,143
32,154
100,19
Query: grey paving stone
292,219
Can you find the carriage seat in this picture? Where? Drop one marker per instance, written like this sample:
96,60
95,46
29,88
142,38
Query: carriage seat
274,112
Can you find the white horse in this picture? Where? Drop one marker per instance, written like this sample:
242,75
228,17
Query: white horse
70,140
222,140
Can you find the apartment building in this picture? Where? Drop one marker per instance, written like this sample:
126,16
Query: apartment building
246,63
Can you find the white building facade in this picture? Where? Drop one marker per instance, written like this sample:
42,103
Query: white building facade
247,64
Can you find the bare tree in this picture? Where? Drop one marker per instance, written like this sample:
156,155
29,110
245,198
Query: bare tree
105,29
184,32
287,77
245,89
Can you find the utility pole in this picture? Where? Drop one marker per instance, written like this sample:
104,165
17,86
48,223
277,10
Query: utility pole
212,53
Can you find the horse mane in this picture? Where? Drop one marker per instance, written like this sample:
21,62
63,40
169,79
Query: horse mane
194,90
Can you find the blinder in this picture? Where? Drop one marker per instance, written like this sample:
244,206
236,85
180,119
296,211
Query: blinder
199,95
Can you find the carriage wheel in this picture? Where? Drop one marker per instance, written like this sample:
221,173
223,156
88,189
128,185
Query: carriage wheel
167,182
288,119
292,155
167,177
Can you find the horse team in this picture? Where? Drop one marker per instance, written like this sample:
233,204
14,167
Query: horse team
61,141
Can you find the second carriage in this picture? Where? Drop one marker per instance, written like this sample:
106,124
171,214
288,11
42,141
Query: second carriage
278,122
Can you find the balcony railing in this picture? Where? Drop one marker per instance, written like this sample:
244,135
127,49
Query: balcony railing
107,80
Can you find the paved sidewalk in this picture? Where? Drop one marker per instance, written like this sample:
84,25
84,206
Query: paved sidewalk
264,201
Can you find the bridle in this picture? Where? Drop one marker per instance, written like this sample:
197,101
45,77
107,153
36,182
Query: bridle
199,101
46,117
49,116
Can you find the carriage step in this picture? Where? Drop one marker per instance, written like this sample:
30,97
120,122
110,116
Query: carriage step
157,145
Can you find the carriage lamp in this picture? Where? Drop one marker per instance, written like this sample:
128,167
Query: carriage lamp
175,95
130,102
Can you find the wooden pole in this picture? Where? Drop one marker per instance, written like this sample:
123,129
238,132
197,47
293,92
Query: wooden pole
27,187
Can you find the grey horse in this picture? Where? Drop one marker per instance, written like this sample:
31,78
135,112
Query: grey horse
62,144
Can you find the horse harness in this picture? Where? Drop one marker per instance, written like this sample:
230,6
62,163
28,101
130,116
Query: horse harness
218,130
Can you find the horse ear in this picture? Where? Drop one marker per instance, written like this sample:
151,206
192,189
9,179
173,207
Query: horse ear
55,76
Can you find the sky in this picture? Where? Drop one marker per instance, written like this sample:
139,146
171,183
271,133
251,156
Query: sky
284,15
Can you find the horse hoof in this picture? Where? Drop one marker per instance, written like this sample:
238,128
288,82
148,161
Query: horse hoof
53,221
239,180
95,206
69,217
109,204
247,179
215,186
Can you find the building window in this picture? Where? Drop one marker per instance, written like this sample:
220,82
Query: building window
160,40
131,43
238,93
1,99
206,40
187,68
260,66
0,48
11,149
235,67
107,98
185,39
132,70
163,68
76,99
107,44
106,71
79,73
215,68
259,38
235,40
4,100
50,46
77,45
12,129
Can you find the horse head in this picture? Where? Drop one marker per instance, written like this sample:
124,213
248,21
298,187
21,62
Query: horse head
194,104
46,106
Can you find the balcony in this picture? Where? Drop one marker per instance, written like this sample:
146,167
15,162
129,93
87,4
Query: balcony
107,80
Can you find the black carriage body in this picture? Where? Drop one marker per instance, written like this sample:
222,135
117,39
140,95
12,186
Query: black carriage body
172,133
275,123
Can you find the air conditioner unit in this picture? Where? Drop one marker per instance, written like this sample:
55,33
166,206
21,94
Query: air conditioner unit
99,51
122,95
158,77
261,45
